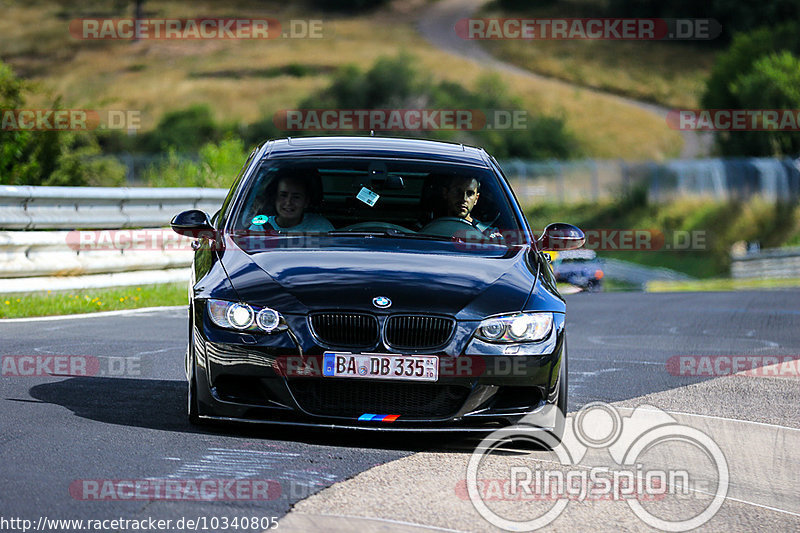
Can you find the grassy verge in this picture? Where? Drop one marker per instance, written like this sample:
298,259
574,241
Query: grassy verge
718,224
722,285
667,73
91,300
256,78
617,285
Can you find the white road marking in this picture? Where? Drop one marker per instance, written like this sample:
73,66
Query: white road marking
635,341
386,520
718,418
140,310
658,363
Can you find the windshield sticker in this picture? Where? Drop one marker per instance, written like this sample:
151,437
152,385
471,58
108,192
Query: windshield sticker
259,219
367,196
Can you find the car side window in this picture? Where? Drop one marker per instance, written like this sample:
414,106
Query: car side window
219,218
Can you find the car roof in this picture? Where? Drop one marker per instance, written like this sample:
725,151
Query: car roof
375,147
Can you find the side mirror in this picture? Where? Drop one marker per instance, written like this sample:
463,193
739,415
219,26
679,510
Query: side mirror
561,236
193,223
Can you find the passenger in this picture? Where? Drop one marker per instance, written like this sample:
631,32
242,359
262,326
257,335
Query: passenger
292,198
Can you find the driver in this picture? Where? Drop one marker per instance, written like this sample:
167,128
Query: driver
461,195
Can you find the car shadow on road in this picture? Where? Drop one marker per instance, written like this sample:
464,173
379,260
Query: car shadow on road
161,405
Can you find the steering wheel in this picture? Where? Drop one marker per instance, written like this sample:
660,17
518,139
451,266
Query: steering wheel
449,226
376,226
455,227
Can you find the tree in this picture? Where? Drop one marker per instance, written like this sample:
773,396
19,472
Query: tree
773,83
758,71
396,83
49,157
744,51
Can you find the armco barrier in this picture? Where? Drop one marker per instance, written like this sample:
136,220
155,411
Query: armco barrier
40,260
766,264
48,253
27,207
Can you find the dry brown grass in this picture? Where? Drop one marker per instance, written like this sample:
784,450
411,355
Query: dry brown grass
157,76
668,73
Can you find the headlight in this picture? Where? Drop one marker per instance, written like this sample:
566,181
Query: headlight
520,327
268,319
240,316
244,317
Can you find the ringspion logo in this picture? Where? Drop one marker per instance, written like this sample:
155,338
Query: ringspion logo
645,458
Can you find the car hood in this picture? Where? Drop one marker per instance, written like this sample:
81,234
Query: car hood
467,286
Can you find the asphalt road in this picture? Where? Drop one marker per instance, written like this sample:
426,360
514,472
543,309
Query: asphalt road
127,423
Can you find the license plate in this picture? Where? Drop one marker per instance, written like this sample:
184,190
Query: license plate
381,366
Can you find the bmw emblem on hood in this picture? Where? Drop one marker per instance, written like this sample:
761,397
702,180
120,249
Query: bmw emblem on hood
381,302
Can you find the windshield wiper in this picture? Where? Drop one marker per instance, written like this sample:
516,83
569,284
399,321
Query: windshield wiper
391,233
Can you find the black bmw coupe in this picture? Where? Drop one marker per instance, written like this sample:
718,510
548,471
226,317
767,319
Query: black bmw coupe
376,284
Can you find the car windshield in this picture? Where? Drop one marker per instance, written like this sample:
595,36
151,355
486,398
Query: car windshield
385,197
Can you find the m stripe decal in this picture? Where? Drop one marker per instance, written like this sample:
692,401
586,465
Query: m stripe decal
369,417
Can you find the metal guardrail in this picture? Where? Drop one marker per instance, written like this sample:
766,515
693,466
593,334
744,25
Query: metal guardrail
28,207
39,260
55,253
595,179
32,256
765,264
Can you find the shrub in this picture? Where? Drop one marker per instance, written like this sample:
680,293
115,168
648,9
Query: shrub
395,83
216,166
49,157
185,129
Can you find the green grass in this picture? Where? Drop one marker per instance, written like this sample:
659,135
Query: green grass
722,285
695,264
91,300
617,285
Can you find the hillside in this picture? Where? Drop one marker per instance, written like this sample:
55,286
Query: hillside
244,80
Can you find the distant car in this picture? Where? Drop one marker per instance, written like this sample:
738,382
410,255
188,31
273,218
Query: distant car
580,268
398,318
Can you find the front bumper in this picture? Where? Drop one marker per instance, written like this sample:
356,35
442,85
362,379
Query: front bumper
275,379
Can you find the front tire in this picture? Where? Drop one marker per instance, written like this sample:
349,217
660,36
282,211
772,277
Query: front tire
563,396
192,406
